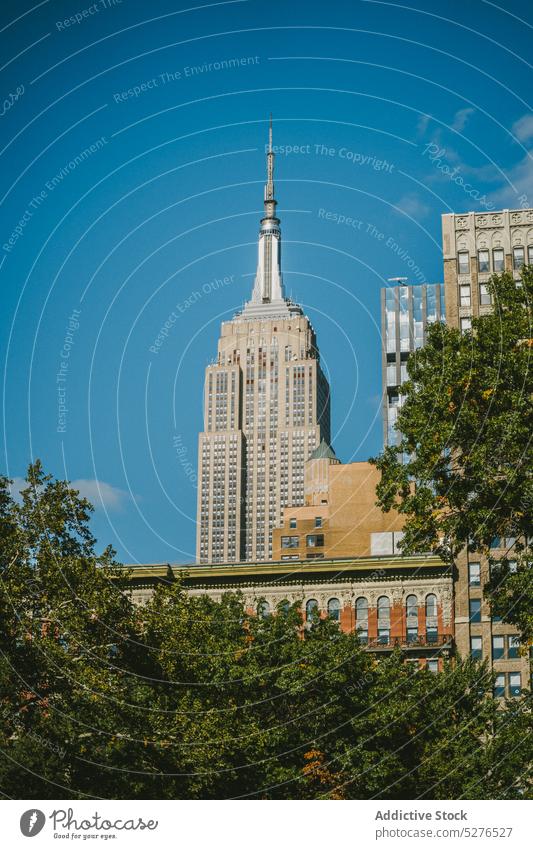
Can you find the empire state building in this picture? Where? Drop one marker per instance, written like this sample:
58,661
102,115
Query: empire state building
266,409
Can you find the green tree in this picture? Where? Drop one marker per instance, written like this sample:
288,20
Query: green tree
187,697
462,473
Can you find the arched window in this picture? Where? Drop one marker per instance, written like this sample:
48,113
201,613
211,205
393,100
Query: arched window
263,609
411,609
311,607
383,619
334,609
361,608
383,607
411,606
431,618
361,619
284,607
431,605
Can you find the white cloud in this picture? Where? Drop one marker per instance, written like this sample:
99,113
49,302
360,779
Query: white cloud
16,487
523,128
99,493
460,119
413,205
518,192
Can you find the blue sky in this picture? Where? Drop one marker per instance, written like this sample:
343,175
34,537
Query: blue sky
133,167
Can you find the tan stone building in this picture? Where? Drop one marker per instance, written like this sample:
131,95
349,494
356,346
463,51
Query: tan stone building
266,408
339,517
475,246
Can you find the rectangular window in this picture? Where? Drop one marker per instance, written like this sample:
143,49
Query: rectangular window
292,523
383,636
485,298
498,651
514,647
499,686
483,260
498,259
530,255
463,261
412,635
290,542
432,666
315,540
475,610
476,648
474,574
318,521
391,375
431,635
464,295
362,636
466,324
518,257
515,684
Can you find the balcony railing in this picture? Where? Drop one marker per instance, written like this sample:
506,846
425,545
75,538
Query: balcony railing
440,641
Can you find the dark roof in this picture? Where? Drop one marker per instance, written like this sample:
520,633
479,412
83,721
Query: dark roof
323,452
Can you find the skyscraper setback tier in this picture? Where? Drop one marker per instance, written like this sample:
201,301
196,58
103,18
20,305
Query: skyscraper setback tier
266,408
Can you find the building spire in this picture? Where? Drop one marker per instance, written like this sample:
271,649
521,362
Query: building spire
268,284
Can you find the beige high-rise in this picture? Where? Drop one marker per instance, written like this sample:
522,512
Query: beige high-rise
266,408
475,246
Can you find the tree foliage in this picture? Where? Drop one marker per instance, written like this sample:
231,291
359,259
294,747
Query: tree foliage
462,473
185,697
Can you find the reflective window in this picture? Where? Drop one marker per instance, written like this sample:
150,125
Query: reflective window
290,542
432,666
431,605
474,574
315,540
264,609
411,605
464,295
361,608
498,259
383,607
466,324
361,619
518,257
476,647
497,648
463,262
514,647
485,298
515,684
483,260
334,609
311,608
475,610
499,686
530,255
383,636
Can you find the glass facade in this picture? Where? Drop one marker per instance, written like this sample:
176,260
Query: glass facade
406,313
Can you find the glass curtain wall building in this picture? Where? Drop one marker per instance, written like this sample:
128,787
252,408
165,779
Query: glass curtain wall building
406,312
